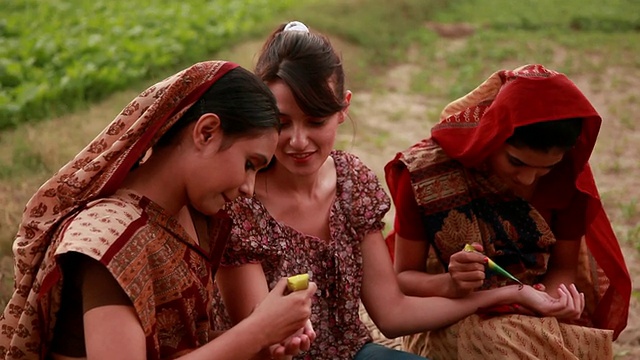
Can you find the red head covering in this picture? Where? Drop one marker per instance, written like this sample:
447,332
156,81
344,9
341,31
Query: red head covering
97,171
478,124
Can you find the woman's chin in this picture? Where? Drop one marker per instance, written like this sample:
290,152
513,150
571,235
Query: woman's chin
211,208
215,208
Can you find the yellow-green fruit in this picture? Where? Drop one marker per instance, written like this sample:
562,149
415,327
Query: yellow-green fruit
468,247
298,282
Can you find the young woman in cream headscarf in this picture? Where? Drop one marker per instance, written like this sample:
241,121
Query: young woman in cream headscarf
104,270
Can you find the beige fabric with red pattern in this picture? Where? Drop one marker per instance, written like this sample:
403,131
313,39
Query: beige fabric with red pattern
97,171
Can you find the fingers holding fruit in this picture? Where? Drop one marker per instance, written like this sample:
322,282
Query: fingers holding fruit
298,282
284,312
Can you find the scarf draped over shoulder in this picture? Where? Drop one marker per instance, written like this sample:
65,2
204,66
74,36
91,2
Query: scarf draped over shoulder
97,171
478,124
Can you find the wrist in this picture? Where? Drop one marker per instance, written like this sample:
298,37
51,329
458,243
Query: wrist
518,295
252,329
509,294
450,289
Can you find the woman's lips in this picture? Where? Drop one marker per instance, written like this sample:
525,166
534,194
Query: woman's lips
300,157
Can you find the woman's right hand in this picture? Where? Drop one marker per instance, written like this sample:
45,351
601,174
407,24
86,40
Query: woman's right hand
295,344
466,269
281,314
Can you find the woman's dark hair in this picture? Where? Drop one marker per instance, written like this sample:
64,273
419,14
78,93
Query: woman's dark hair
544,136
244,104
309,65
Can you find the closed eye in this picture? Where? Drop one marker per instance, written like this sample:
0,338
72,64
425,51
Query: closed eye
519,163
256,162
285,120
249,165
515,162
317,122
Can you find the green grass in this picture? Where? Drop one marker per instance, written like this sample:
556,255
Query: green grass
24,160
382,28
543,15
633,237
630,209
381,34
56,56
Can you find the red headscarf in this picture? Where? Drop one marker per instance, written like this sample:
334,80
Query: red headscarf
97,171
478,124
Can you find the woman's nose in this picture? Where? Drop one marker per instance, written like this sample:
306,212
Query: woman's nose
248,187
526,176
298,138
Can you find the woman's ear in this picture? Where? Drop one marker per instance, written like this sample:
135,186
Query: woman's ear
207,130
345,110
347,98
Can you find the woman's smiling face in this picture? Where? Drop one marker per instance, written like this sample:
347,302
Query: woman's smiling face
305,142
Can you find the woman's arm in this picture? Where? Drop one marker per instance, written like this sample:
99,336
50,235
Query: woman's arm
242,289
466,271
396,314
115,332
562,269
562,266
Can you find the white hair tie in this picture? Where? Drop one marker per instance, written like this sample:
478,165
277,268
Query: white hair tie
296,26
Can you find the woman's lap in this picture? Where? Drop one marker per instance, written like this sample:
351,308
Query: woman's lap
512,337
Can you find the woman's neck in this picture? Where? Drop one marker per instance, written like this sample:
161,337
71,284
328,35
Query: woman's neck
301,202
154,179
308,185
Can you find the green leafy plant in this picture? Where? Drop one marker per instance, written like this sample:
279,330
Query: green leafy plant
56,56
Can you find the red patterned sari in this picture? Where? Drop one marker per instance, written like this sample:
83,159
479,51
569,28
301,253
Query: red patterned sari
459,201
166,275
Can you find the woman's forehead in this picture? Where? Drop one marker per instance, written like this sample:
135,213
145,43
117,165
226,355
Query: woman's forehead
533,157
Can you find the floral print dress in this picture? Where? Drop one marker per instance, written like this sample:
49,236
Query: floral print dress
335,264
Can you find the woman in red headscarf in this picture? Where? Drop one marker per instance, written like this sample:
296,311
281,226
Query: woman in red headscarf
507,170
105,270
